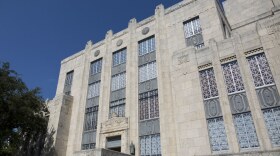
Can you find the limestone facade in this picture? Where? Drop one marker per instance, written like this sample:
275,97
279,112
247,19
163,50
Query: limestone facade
236,32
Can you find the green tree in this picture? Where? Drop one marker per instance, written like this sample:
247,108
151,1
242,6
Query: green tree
23,120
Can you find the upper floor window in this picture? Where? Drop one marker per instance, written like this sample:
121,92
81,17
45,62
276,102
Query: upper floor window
95,67
93,90
69,78
260,70
119,57
193,33
146,46
118,81
148,71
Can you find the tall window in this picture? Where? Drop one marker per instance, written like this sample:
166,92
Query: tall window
150,145
118,81
148,103
268,95
146,46
243,121
95,67
216,128
117,107
68,82
119,57
148,71
193,33
93,90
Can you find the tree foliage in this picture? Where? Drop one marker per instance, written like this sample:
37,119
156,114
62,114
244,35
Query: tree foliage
23,120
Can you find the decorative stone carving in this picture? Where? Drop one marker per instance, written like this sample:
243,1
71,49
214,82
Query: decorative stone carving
212,108
269,97
149,127
114,124
119,42
145,30
238,103
96,53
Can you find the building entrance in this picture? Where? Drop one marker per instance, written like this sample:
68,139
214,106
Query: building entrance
114,143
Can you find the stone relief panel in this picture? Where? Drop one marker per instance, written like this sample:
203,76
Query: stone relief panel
114,124
239,103
94,78
118,69
118,94
268,97
92,102
145,30
148,86
212,108
180,60
147,58
149,127
89,137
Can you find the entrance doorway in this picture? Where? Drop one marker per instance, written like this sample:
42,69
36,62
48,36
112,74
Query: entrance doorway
114,143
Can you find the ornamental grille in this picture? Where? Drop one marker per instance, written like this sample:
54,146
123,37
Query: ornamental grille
217,134
272,121
119,57
148,103
208,83
246,133
95,67
150,145
91,118
233,77
93,90
147,46
260,70
118,81
147,71
117,107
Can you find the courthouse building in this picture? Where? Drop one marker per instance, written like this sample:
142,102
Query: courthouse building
201,77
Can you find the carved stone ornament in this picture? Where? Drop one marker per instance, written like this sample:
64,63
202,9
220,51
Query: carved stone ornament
145,30
114,124
119,42
96,53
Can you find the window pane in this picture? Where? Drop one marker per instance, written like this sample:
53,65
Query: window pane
193,33
246,132
69,78
148,105
118,81
95,67
217,134
272,121
150,145
146,46
147,71
117,107
93,89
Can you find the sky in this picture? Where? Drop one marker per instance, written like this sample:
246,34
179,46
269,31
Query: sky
35,35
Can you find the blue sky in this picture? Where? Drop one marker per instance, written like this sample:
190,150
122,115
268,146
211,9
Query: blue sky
35,35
